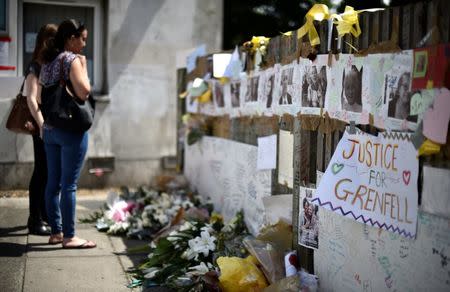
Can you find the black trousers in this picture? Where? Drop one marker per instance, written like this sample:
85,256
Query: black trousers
38,183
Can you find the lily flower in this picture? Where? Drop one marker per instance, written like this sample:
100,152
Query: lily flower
198,270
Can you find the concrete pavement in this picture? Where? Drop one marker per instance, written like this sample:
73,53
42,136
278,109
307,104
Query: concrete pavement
28,263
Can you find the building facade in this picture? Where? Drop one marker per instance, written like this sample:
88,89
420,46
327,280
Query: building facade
134,49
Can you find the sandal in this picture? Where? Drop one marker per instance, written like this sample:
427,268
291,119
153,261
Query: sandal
84,245
55,239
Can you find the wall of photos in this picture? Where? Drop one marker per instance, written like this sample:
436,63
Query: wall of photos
398,72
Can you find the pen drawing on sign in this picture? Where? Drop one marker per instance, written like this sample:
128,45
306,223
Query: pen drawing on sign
309,220
218,94
398,95
234,92
251,94
314,87
352,89
286,81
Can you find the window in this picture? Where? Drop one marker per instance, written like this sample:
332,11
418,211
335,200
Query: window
3,15
36,13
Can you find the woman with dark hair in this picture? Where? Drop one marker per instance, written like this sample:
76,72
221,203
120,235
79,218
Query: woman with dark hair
399,101
65,150
38,180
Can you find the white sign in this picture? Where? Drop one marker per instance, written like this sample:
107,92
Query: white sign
4,53
267,152
373,180
285,159
30,42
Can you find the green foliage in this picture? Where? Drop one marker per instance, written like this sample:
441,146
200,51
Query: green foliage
92,218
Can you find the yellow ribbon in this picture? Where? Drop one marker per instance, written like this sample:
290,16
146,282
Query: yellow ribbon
347,22
429,148
318,12
205,97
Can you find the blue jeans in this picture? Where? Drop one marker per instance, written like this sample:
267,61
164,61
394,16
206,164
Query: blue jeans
65,154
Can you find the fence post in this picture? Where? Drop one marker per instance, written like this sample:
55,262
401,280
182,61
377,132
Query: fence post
301,173
181,110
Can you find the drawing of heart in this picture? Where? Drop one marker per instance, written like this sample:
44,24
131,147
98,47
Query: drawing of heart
406,176
337,167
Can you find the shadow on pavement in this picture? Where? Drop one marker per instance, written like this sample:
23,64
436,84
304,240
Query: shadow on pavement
9,231
10,249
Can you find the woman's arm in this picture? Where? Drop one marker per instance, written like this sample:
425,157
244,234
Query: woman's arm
33,95
79,78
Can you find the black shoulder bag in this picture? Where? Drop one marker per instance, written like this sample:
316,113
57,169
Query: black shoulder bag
63,110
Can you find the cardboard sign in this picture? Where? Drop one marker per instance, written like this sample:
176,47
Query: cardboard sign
373,180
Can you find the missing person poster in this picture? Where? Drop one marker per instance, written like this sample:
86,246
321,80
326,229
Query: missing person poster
308,223
373,180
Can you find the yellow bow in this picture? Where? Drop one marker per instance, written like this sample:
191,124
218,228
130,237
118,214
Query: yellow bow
347,22
318,12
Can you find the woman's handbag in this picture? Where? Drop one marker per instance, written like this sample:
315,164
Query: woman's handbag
20,116
64,110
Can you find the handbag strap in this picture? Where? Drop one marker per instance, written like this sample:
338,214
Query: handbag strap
23,84
62,82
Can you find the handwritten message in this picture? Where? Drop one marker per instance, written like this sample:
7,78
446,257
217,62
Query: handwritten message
225,171
373,180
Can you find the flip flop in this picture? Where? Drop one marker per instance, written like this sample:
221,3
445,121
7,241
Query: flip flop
84,245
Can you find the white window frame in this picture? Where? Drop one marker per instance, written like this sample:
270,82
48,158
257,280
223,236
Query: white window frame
97,35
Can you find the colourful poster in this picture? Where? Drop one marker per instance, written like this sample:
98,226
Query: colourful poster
373,180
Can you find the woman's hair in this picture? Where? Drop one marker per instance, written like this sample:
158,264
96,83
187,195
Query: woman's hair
46,33
66,30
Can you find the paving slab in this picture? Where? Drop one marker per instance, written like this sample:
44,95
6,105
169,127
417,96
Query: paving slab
83,273
13,241
29,263
12,271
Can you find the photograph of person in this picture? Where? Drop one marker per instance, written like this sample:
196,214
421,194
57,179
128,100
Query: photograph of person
268,90
251,95
400,99
286,80
352,90
234,92
218,94
314,87
309,225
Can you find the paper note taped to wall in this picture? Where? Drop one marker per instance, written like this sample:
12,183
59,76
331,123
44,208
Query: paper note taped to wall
4,52
285,159
267,152
436,118
191,61
30,42
435,194
373,180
